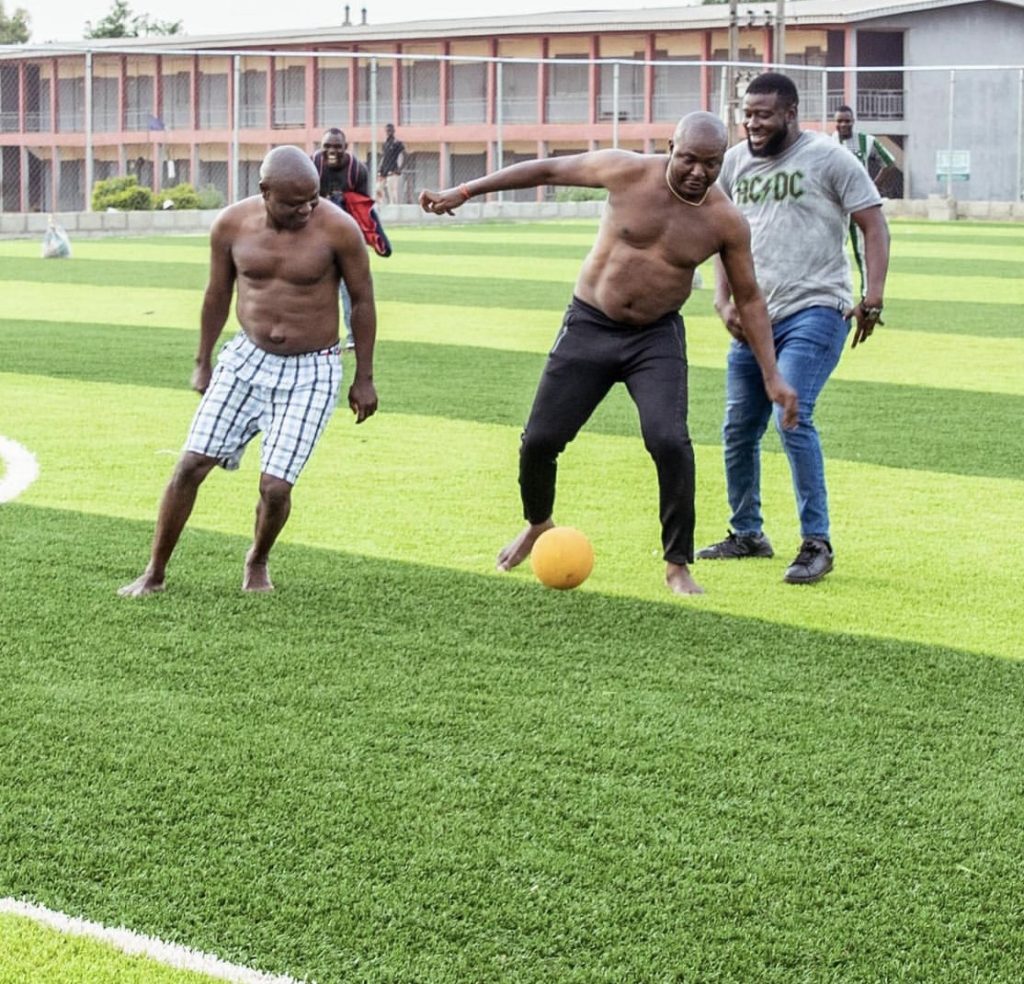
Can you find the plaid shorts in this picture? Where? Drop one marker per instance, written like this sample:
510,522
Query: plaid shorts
289,398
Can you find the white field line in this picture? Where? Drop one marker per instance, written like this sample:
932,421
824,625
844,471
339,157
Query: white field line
20,469
134,944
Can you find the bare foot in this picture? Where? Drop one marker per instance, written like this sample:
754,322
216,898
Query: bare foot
680,581
514,553
257,576
145,584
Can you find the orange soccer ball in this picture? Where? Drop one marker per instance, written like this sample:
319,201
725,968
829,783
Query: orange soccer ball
562,557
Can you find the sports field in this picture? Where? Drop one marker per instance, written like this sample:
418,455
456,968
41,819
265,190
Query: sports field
403,766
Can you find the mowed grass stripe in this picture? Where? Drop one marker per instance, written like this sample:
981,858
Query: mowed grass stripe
194,250
969,232
75,282
166,305
902,264
999,253
104,273
420,273
677,794
514,247
482,319
984,318
143,308
191,250
607,486
908,358
900,426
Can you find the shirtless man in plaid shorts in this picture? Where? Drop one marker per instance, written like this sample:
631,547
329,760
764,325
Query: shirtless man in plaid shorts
286,249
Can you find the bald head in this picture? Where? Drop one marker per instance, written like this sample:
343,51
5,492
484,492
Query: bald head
700,126
287,164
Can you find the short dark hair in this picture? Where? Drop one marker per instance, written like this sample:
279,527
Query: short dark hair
845,109
333,131
775,83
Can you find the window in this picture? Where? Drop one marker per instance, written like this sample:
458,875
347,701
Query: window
467,95
518,93
568,92
177,101
213,101
290,96
421,92
332,97
252,98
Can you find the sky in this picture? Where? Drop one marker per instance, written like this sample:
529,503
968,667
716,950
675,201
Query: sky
64,20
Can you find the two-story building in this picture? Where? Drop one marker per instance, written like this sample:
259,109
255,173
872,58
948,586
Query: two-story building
929,78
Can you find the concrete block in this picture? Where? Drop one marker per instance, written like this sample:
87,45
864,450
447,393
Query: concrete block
161,221
1001,211
941,208
140,223
13,223
188,220
114,221
36,222
90,222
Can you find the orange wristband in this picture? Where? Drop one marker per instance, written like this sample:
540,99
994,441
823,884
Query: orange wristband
465,192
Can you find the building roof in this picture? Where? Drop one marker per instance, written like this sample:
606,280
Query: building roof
799,13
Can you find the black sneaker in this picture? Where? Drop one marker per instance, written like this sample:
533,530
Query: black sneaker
812,563
738,545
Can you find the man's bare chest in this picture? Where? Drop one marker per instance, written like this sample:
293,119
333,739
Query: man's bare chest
265,260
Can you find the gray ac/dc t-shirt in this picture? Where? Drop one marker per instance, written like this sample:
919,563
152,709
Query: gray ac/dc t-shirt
798,205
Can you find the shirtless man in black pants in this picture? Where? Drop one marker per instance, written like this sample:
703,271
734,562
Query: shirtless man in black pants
663,218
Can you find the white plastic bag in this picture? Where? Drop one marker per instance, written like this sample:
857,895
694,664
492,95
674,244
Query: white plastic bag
56,244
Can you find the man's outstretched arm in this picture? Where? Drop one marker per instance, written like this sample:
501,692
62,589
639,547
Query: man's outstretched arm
592,170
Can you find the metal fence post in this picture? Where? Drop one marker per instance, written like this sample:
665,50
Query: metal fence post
824,100
88,131
615,105
1020,135
373,120
498,120
949,143
236,125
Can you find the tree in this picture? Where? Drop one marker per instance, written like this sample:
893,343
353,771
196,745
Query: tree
121,22
13,29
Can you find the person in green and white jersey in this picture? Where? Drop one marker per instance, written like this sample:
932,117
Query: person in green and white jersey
875,156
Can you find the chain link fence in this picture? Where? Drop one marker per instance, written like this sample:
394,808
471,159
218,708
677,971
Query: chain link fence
74,118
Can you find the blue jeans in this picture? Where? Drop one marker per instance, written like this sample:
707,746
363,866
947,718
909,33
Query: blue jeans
808,345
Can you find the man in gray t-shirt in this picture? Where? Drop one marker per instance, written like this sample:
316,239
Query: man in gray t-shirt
797,190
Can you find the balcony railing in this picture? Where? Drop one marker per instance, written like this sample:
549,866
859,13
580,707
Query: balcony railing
880,104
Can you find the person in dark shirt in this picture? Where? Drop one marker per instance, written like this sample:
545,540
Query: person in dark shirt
340,172
389,171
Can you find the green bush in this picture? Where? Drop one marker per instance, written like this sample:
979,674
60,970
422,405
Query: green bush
210,197
124,194
581,195
182,195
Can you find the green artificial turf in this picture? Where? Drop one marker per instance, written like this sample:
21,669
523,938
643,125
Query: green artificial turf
405,767
900,426
408,773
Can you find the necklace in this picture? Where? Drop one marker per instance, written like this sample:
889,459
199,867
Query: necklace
684,200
